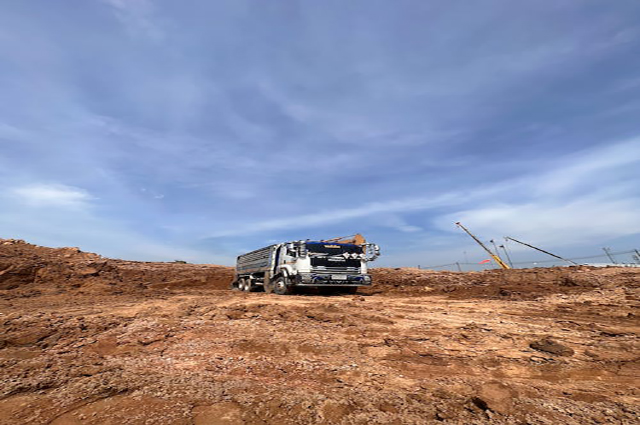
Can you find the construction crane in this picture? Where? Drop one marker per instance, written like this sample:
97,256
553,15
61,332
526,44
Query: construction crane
504,248
541,250
495,257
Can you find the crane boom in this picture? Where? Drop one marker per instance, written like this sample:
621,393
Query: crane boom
541,250
495,257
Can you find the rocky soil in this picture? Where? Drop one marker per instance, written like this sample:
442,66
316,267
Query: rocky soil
91,340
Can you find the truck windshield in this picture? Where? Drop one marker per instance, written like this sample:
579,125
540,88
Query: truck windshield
333,248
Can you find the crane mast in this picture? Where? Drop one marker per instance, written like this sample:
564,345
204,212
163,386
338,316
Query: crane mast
495,257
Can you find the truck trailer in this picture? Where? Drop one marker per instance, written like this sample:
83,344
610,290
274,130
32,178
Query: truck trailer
339,263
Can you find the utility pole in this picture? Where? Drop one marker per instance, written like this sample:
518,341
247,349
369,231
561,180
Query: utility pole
608,252
459,268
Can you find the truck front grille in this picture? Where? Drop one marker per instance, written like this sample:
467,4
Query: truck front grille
322,269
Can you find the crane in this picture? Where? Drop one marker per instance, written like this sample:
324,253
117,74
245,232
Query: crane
495,257
509,238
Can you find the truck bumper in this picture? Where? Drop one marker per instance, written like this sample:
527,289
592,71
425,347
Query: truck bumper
316,279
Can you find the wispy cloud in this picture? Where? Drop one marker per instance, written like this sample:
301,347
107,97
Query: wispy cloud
138,17
584,197
60,215
572,222
590,170
397,222
164,123
52,195
338,215
528,206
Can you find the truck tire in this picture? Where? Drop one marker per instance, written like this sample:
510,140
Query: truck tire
242,284
248,285
280,287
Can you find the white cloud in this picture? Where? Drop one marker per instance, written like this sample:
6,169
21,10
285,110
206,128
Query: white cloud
56,195
584,198
588,168
339,215
397,222
558,224
64,222
549,208
137,17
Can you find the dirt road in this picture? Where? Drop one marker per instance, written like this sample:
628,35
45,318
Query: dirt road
420,347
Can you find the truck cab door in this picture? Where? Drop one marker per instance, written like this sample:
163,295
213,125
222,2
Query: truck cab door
276,262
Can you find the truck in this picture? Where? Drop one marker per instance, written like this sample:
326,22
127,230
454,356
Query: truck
338,263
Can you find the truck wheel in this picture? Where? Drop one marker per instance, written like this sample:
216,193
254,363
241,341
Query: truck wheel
280,287
241,284
248,285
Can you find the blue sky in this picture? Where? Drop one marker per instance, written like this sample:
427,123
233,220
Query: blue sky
197,130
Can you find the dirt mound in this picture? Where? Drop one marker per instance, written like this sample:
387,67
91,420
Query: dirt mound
29,270
511,284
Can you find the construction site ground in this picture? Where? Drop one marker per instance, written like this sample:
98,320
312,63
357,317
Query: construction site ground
90,340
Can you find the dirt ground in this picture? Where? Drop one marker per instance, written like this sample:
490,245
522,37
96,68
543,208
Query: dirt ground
90,340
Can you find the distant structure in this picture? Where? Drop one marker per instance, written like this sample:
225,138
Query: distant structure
612,265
